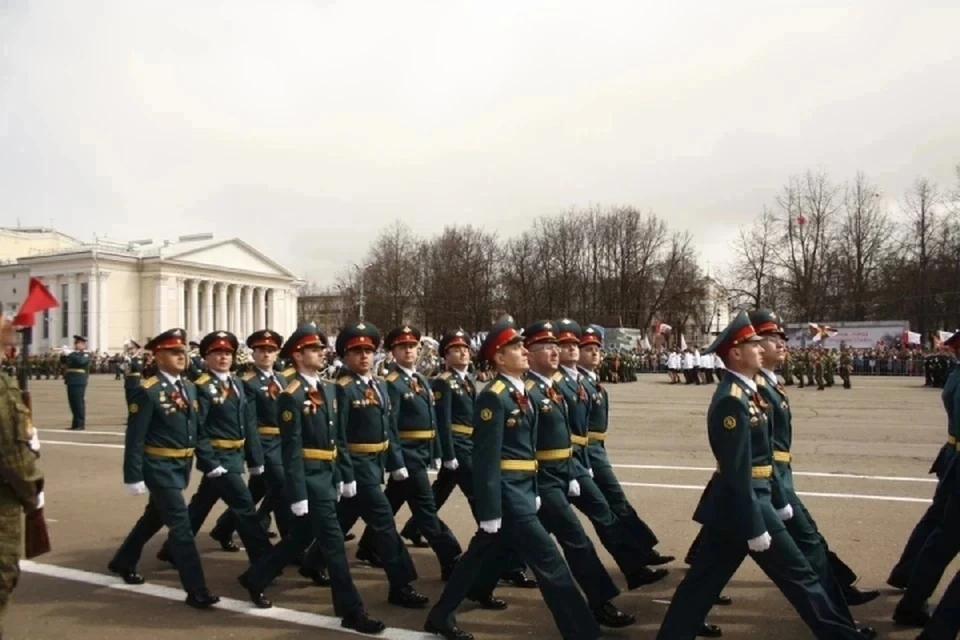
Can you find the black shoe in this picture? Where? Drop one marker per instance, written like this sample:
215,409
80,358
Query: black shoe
256,597
911,618
709,631
868,632
645,576
489,601
724,601
408,598
272,535
320,577
897,582
362,623
347,537
130,576
164,556
608,615
447,570
519,579
226,542
202,599
370,557
449,633
856,597
417,541
656,559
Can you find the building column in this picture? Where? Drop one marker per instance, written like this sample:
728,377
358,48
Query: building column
181,303
103,312
93,308
53,284
220,321
193,313
292,318
207,325
160,304
73,309
235,314
248,327
260,313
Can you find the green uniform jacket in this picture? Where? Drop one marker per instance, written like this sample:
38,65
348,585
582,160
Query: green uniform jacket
133,376
578,413
453,403
195,368
76,368
226,415
158,417
740,435
21,473
782,422
597,420
411,411
308,425
950,396
365,420
504,428
553,434
263,396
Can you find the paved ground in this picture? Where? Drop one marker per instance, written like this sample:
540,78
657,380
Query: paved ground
862,457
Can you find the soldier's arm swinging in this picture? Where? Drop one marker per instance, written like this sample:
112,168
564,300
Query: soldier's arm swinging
730,438
488,424
139,412
291,447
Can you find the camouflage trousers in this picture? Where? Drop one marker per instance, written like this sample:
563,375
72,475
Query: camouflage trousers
10,540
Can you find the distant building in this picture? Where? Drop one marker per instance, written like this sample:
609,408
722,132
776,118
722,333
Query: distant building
328,310
111,291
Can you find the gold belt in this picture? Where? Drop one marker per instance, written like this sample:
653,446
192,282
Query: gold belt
518,465
320,454
763,472
782,456
418,434
462,429
164,452
579,440
368,447
597,436
227,445
546,455
951,440
267,430
75,371
132,375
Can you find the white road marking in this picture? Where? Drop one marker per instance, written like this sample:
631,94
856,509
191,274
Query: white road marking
84,432
281,614
815,494
82,444
812,474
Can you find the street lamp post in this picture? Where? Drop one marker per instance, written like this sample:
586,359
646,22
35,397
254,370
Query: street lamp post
361,271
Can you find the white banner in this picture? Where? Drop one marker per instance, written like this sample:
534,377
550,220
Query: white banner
861,336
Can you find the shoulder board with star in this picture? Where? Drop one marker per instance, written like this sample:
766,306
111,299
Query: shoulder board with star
445,375
393,375
344,380
289,371
530,384
498,386
203,379
292,387
736,391
557,377
760,380
250,375
149,382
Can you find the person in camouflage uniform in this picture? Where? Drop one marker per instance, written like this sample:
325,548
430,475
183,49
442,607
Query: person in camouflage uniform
21,480
800,366
787,369
829,366
818,370
846,366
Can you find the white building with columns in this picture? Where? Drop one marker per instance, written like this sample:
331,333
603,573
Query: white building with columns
110,291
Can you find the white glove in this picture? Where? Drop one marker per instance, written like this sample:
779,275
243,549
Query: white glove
436,465
339,491
216,473
573,489
538,503
400,474
34,443
299,508
452,465
349,489
590,470
786,513
491,526
760,543
40,501
136,489
255,471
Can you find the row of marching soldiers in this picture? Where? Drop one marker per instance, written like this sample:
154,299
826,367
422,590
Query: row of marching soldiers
524,451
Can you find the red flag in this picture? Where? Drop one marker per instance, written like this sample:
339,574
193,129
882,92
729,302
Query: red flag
38,298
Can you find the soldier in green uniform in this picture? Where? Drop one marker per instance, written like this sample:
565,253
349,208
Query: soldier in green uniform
836,576
412,415
787,369
829,366
846,367
196,366
800,368
507,500
311,441
21,481
133,376
75,373
261,387
226,421
161,440
739,507
818,369
371,447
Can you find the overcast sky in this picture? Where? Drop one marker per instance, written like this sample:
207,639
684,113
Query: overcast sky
304,126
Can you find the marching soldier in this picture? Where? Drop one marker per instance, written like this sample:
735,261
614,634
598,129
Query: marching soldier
818,365
800,368
161,440
829,365
412,414
133,375
836,576
311,443
262,386
738,509
787,368
226,421
507,500
76,371
846,367
372,447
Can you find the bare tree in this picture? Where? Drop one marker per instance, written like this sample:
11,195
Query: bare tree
753,264
920,243
865,232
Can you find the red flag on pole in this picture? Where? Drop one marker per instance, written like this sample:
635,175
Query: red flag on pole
38,299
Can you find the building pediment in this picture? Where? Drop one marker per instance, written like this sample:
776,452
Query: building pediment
231,255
